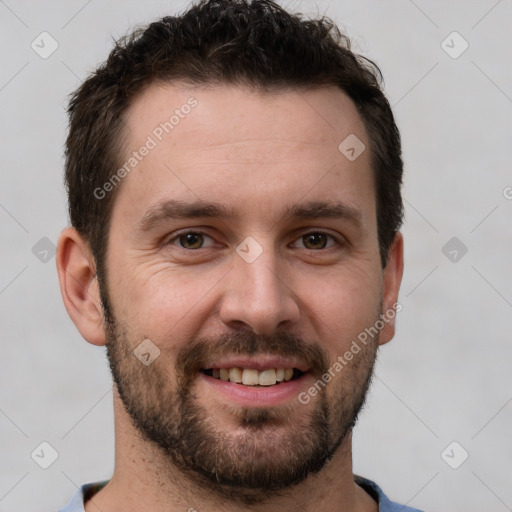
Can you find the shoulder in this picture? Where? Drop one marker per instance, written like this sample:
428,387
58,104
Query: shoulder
81,495
385,504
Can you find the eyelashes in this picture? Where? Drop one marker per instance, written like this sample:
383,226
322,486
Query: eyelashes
193,240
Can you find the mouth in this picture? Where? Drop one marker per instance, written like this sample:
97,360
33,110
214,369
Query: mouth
258,380
254,377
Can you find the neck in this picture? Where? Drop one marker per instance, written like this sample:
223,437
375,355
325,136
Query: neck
144,475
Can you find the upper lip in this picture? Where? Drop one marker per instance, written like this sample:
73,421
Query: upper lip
258,362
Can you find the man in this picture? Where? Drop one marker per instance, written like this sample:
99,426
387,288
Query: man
234,184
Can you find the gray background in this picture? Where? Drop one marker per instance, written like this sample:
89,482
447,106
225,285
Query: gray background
446,375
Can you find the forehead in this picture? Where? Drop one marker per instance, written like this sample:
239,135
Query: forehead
228,113
233,144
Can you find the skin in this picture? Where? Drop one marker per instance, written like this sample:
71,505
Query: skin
255,153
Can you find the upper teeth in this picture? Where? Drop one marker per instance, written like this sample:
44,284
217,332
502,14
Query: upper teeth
253,377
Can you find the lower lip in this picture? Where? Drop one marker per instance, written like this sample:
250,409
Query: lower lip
257,396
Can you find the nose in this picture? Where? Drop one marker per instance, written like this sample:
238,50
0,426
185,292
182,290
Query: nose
258,295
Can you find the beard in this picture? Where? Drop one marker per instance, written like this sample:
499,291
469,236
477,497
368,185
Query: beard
271,449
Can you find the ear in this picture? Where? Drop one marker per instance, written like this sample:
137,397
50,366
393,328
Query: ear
392,277
79,285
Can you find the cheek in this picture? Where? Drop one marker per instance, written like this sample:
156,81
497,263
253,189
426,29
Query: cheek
342,306
167,303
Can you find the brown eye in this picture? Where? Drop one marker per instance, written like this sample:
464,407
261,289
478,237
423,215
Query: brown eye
315,240
190,240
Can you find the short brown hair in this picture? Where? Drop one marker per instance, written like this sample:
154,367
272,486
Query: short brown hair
255,44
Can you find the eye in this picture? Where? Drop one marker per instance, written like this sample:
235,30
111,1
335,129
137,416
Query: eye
317,240
190,240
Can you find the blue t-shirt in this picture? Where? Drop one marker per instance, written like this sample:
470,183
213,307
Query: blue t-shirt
76,503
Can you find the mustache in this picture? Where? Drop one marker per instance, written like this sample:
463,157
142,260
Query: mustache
193,357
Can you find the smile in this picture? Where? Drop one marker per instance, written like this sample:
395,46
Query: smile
253,376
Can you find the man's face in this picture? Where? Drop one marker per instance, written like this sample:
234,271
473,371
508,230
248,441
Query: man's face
263,278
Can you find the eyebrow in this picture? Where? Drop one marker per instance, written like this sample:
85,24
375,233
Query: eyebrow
173,209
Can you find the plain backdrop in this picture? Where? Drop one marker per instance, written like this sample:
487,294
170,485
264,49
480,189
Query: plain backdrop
444,379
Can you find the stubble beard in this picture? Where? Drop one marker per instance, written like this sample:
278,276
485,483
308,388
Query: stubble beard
269,453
